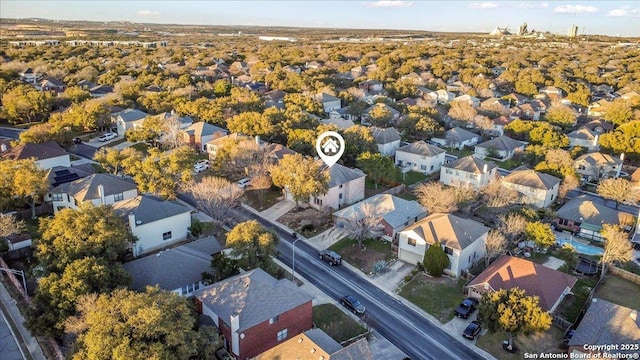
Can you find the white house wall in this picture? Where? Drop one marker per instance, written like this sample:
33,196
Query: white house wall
352,192
389,149
431,163
150,235
459,177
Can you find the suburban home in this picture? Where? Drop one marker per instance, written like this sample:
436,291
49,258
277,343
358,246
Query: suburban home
463,240
47,155
441,96
501,148
471,100
199,134
50,84
468,171
536,188
599,126
500,106
189,262
498,125
598,108
526,111
128,119
346,186
274,98
336,119
507,272
395,114
597,166
395,213
605,324
100,91
584,137
19,241
330,102
156,223
29,76
316,344
516,99
387,139
371,86
457,138
98,189
585,217
216,144
551,91
255,312
421,157
59,175
184,121
275,152
413,78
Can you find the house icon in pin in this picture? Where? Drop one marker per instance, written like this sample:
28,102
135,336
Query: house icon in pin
330,146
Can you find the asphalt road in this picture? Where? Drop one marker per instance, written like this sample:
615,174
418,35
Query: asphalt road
10,133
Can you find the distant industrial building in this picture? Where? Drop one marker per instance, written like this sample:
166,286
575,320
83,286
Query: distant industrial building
277,38
573,31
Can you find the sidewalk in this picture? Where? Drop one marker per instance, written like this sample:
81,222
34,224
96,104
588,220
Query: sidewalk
277,210
16,319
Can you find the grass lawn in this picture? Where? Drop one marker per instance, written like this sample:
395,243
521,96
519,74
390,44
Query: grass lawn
336,323
508,164
116,142
620,291
142,147
370,188
407,195
437,296
99,168
271,197
410,177
572,304
460,153
361,258
545,342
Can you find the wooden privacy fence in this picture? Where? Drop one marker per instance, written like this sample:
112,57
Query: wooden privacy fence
627,275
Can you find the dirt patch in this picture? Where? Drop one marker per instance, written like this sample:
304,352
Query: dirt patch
362,258
438,296
308,222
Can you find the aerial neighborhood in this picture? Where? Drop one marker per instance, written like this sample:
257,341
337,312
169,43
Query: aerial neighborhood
164,193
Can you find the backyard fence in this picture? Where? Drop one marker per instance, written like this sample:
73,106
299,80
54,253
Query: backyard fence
46,208
560,322
627,275
395,190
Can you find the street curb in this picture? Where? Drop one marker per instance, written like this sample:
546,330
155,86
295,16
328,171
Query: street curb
16,319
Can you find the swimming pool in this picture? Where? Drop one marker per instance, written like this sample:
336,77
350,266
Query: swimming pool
580,247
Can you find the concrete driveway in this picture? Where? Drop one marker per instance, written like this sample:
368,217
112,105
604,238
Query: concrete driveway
327,238
457,325
278,210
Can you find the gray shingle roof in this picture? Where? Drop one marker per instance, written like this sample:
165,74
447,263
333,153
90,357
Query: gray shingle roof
385,136
202,128
532,179
449,230
597,158
421,148
607,323
129,115
502,143
87,188
40,151
582,133
187,263
254,296
340,174
326,98
393,210
470,164
582,209
148,209
458,135
323,340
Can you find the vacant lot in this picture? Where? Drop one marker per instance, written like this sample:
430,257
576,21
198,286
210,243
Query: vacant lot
336,323
544,342
261,199
437,296
363,257
307,222
620,291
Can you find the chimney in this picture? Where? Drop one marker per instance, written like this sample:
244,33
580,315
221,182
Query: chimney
595,140
622,157
101,193
485,168
3,147
132,220
634,315
258,140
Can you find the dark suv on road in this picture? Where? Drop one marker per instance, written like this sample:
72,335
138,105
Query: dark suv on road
353,304
331,257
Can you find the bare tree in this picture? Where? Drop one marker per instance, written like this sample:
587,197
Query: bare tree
9,226
496,244
617,247
512,226
437,197
483,123
497,196
217,196
173,134
237,158
368,226
461,110
569,183
619,190
260,180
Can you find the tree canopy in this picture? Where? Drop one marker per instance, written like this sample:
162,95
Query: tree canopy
301,177
435,260
513,311
253,243
540,233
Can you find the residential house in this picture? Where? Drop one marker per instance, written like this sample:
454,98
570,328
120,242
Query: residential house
456,86
457,138
468,99
316,344
105,189
541,105
387,139
585,217
551,91
526,111
156,223
199,134
599,126
394,213
536,188
184,121
597,166
337,120
371,86
213,146
603,325
501,148
330,102
516,99
413,78
274,98
507,272
500,106
47,155
468,171
441,96
276,152
395,114
463,240
255,312
358,71
420,156
597,108
100,91
29,76
346,186
584,137
59,175
498,125
189,262
128,119
86,84
50,84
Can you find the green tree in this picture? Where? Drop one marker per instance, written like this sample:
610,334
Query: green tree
221,88
222,267
376,166
161,172
301,177
511,310
304,103
253,243
435,260
358,139
619,190
541,234
617,247
419,127
111,159
125,324
24,104
23,180
250,123
561,115
152,127
380,116
618,112
75,94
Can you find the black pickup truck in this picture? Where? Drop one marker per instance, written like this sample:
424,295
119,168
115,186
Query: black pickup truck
466,308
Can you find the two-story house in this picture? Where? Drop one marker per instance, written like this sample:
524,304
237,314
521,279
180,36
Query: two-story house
330,102
199,134
457,138
387,139
346,186
316,344
501,148
468,171
597,166
128,119
585,217
536,188
421,157
468,99
463,240
255,312
47,155
336,119
584,137
105,189
441,96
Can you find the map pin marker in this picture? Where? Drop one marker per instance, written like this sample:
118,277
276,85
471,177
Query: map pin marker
330,147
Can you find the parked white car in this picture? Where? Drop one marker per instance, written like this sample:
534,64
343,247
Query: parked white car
202,162
107,137
200,167
244,183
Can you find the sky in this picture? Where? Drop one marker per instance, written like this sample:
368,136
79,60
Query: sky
613,18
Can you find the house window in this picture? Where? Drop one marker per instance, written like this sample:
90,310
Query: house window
274,319
448,171
423,167
431,168
166,236
118,197
411,241
448,250
282,334
56,197
340,196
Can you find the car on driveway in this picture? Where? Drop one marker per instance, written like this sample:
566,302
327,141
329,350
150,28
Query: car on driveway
353,304
243,183
107,137
472,330
200,167
202,162
466,308
331,257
